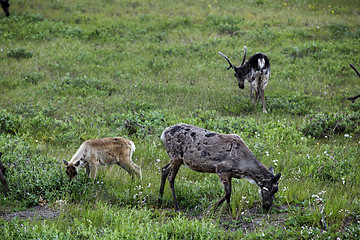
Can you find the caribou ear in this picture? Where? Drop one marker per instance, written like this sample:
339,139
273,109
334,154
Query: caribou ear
77,163
271,170
65,162
277,177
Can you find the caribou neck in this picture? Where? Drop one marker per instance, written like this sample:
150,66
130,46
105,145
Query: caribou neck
255,172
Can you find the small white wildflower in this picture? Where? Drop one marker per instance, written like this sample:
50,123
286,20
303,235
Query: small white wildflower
346,135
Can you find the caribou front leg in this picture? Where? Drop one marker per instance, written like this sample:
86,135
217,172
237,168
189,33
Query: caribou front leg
226,182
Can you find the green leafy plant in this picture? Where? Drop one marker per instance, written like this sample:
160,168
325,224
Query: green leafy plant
19,53
326,124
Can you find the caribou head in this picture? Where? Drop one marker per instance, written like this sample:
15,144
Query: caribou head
240,72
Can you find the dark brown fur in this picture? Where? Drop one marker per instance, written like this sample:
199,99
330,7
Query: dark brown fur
2,177
5,6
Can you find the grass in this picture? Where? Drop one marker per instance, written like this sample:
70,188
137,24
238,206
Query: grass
77,70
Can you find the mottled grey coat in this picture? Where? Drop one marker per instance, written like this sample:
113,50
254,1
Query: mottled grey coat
225,154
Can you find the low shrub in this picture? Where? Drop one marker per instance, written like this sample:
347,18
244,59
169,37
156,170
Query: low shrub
326,124
225,24
29,173
9,122
19,53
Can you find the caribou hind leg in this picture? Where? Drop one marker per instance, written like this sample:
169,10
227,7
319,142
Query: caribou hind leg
171,177
170,171
164,173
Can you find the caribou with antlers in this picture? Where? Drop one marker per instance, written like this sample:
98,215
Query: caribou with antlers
256,71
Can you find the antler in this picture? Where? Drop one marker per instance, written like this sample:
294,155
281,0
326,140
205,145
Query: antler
231,65
352,99
352,66
243,61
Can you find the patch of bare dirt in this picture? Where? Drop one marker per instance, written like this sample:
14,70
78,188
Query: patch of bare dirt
249,220
37,212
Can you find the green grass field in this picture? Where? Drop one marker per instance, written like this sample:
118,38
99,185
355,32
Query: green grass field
77,70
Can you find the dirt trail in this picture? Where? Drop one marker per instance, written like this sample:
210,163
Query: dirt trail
36,212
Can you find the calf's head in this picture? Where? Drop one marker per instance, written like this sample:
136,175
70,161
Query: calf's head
240,72
71,169
268,189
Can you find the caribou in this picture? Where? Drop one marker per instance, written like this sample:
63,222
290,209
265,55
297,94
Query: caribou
224,154
105,151
257,73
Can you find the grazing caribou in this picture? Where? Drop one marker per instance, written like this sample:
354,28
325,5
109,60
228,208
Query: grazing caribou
105,151
5,6
257,72
224,154
2,177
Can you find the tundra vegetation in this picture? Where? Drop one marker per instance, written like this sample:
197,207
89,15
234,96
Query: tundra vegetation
78,70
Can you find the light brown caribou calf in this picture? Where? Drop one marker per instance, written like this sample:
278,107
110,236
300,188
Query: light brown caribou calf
224,154
105,151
